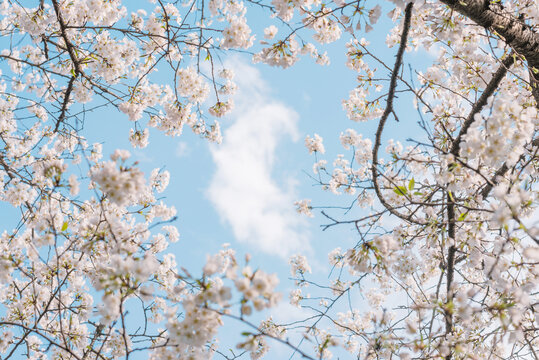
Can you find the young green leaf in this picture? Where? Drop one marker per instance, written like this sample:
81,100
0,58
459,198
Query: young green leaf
400,190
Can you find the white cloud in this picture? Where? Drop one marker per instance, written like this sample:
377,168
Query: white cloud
285,313
142,156
182,149
243,191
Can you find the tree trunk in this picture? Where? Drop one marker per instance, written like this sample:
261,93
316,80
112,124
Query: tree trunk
521,37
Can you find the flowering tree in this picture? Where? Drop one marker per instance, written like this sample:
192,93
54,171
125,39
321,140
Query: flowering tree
460,247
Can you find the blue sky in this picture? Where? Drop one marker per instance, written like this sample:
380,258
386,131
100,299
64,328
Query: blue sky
242,191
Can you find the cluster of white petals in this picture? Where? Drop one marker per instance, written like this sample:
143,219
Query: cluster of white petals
192,85
443,259
314,144
237,34
122,185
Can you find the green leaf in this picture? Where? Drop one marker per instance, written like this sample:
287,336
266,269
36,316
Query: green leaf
400,190
462,216
207,56
64,226
246,333
411,184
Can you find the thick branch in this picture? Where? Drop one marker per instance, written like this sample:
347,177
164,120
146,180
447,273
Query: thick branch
388,110
74,60
451,218
488,187
65,103
521,37
476,109
502,171
482,101
69,46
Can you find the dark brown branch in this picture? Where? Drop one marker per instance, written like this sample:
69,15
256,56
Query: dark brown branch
502,171
388,110
517,34
451,218
69,46
77,70
482,101
65,103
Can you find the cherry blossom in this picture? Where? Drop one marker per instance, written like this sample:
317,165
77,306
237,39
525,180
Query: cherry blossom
443,253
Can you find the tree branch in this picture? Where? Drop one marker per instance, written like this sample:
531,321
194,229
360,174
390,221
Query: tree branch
74,60
65,103
69,46
451,218
482,101
388,110
517,34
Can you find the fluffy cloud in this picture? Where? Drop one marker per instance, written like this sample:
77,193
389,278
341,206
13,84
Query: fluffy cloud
259,210
182,149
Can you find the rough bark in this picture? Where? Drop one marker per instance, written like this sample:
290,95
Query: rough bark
521,37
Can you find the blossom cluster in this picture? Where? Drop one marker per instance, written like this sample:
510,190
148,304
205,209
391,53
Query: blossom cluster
444,224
